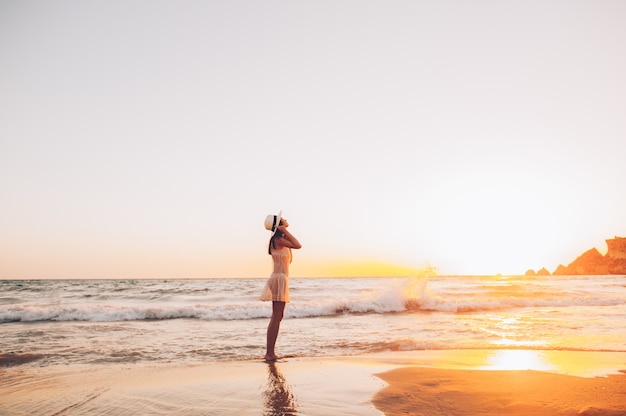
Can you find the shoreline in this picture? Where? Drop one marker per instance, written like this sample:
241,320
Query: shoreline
460,382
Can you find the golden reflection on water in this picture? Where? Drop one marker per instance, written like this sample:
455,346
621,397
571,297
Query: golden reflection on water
576,363
517,360
278,398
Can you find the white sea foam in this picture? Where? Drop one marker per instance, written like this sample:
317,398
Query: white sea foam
61,322
111,313
399,295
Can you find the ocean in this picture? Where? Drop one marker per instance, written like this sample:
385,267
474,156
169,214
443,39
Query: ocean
46,323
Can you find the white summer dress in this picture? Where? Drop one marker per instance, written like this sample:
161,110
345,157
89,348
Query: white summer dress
277,286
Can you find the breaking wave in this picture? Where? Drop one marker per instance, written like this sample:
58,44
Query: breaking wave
405,296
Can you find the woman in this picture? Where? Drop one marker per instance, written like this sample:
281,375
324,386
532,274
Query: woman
277,286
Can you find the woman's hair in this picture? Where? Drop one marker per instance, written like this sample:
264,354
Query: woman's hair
272,243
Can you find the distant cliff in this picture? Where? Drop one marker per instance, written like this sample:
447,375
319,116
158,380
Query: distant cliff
592,262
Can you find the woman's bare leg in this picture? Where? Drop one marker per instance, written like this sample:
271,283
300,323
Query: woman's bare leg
278,309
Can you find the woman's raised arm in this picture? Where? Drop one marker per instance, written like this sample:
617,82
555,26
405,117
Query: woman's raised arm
287,239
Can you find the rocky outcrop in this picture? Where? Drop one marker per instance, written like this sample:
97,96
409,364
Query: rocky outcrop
541,272
616,255
561,270
592,262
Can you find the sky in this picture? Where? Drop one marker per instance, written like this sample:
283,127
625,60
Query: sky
149,139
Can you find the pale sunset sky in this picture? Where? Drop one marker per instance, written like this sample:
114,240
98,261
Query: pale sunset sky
150,138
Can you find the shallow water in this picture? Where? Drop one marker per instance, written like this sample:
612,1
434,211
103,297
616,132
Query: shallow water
60,322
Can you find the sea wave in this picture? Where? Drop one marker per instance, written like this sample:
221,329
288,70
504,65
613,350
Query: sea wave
14,359
111,313
411,296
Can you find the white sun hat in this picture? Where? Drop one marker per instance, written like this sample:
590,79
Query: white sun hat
272,222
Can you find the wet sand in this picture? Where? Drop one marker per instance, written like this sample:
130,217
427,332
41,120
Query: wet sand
298,386
433,392
416,383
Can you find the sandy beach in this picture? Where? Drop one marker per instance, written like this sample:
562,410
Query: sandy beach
433,392
456,382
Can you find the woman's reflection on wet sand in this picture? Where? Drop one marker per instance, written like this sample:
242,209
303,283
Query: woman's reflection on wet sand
278,398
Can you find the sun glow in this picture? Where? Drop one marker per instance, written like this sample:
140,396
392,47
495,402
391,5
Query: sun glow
369,269
578,363
517,360
494,221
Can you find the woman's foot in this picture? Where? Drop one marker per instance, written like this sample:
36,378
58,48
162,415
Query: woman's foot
271,358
